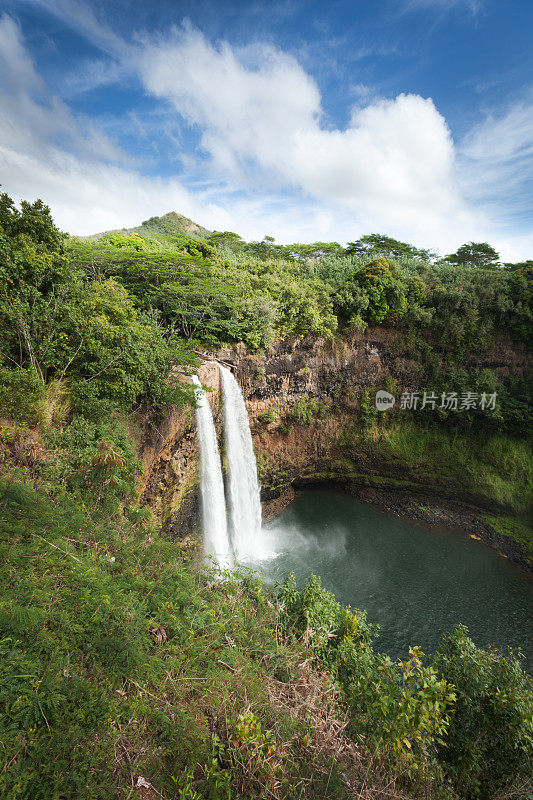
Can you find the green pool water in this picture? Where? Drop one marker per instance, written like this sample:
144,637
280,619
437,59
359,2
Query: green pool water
416,581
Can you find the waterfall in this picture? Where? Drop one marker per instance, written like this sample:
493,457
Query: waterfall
243,487
216,542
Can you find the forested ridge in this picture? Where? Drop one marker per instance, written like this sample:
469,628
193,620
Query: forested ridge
121,658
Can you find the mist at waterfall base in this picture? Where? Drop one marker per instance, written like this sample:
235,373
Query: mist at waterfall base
417,581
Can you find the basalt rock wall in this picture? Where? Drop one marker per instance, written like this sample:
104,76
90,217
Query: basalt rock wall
323,380
170,465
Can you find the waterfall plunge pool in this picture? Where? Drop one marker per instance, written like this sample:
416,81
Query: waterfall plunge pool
417,581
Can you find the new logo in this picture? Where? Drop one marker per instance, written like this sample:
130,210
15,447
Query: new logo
384,400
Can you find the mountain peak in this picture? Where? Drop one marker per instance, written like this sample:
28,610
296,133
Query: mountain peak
170,224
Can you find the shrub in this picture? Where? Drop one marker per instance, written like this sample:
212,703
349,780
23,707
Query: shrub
373,293
268,416
400,707
21,394
368,411
356,323
489,745
306,409
95,461
119,659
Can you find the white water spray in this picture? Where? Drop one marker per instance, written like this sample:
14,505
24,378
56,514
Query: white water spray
243,487
216,542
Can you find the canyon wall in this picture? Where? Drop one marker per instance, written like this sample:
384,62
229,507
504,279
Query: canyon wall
168,450
323,380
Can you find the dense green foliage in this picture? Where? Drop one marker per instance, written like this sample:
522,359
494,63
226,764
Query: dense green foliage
21,394
479,254
120,659
95,327
199,295
68,325
468,715
490,740
306,409
375,293
216,287
375,245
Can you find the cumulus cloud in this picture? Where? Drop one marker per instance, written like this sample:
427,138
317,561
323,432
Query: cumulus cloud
257,108
45,151
271,163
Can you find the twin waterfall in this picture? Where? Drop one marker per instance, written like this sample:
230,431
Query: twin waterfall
214,524
234,535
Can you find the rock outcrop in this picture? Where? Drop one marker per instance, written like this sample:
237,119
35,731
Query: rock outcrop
321,382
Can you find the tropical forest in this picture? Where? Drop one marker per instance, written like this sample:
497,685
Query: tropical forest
228,569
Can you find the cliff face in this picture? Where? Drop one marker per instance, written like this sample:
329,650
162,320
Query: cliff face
323,381
314,366
169,458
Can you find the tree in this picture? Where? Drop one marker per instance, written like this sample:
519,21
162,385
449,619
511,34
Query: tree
373,293
475,254
521,292
114,352
55,322
228,239
33,222
488,750
266,249
311,253
518,265
377,244
34,274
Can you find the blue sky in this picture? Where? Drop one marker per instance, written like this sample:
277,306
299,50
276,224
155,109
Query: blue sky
302,120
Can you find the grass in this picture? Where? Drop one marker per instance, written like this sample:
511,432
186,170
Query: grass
121,660
519,531
494,466
130,670
492,470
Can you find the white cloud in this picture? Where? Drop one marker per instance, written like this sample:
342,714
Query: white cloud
513,247
393,166
473,6
93,73
274,166
497,158
16,67
495,161
31,119
80,17
46,152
